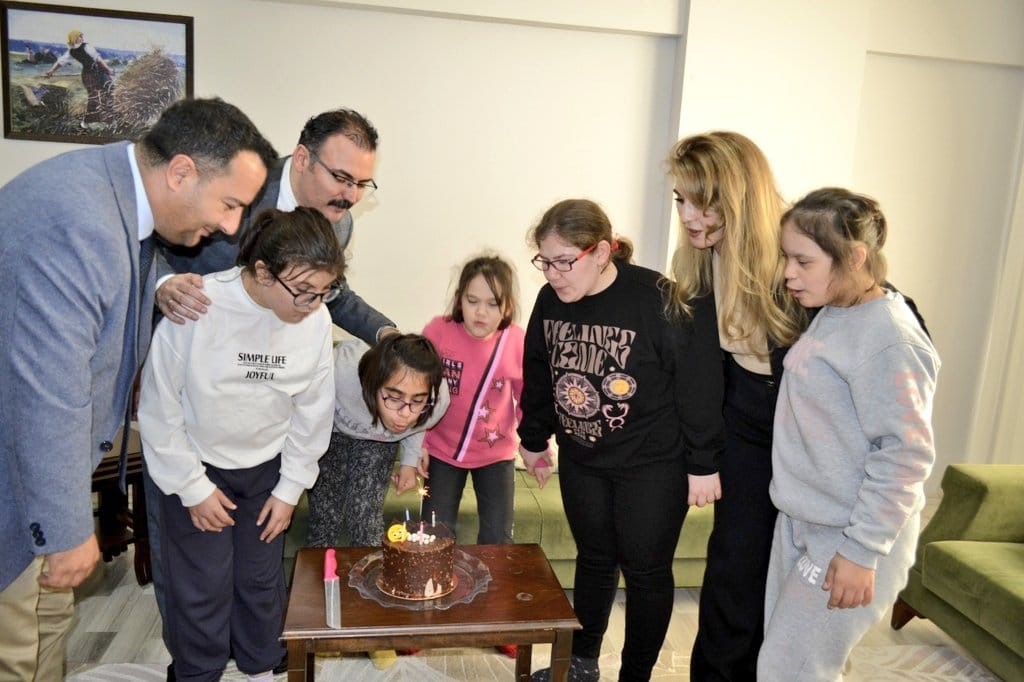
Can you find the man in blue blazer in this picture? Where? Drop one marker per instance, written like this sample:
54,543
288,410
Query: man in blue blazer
330,170
75,318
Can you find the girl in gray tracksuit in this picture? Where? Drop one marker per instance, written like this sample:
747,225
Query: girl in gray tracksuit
852,442
386,397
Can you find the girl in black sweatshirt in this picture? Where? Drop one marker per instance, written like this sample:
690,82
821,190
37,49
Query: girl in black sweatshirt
634,401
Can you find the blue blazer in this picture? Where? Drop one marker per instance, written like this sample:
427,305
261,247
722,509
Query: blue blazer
70,303
219,252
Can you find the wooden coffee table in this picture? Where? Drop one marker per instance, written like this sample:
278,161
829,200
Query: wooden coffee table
524,604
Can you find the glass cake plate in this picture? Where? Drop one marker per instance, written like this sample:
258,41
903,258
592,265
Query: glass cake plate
471,578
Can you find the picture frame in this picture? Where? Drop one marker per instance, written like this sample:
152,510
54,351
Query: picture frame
87,75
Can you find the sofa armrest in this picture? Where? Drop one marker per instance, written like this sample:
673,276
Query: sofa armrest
983,502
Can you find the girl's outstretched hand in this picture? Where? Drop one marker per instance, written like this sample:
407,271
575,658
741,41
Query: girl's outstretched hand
703,489
851,584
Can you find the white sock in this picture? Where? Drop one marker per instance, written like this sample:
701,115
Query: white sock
261,677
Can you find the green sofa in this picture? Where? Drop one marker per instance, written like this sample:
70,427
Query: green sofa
539,518
969,574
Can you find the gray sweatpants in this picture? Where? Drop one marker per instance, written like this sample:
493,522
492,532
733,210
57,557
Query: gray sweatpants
804,639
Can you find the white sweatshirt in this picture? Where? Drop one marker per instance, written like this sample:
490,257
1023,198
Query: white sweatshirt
233,389
853,439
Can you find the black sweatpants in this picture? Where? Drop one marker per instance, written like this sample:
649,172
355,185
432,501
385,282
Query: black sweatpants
224,592
628,519
731,617
494,486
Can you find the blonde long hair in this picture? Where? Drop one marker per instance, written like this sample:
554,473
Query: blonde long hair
727,173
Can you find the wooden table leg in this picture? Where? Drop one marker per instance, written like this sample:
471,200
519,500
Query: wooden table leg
301,664
524,658
561,654
140,529
113,535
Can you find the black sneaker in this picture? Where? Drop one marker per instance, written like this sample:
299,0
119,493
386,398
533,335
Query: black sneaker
580,670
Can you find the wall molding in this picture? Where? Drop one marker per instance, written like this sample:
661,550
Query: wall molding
651,17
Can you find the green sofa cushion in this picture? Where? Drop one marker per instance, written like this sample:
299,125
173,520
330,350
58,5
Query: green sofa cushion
982,580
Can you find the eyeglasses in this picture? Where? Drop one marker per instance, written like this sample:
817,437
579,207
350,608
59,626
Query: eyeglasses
304,299
561,265
340,176
396,404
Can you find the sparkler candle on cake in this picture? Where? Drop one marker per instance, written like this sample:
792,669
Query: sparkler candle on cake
423,492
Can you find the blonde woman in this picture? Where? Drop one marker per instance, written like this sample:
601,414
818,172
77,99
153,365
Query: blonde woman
729,210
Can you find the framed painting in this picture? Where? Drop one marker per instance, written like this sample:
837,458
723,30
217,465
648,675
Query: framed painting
80,74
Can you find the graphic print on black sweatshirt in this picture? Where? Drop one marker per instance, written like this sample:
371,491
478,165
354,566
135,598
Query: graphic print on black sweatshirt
580,353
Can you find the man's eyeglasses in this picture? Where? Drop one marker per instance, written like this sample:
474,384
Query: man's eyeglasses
561,265
304,299
366,186
396,404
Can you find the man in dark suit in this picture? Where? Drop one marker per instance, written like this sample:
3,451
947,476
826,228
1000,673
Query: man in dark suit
330,170
75,320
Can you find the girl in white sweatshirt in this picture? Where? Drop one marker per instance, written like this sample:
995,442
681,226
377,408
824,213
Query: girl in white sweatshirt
235,410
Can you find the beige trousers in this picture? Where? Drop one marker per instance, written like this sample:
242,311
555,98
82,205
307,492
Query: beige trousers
34,623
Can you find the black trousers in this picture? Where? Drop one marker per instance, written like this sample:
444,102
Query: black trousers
731,618
224,592
494,486
626,519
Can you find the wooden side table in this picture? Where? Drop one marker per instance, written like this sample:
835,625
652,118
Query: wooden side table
118,523
524,604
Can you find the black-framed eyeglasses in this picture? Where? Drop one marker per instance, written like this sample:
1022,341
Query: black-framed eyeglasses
561,265
396,404
305,299
366,186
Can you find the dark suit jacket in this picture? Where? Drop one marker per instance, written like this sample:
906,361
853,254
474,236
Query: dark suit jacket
219,252
69,347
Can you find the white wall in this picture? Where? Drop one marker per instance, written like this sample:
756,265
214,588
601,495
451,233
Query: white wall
940,143
656,17
939,146
483,125
920,103
786,74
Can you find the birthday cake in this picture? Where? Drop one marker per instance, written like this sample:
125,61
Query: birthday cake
417,562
